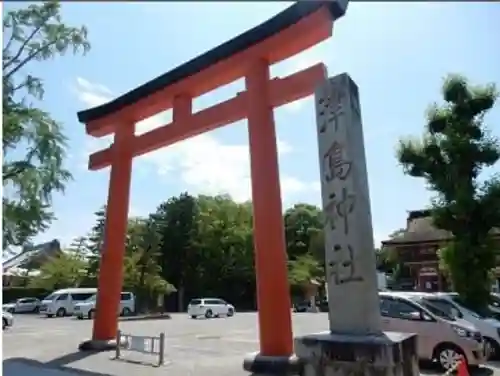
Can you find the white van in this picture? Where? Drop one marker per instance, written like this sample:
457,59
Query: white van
62,302
86,309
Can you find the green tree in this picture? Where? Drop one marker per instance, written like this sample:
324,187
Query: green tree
94,244
302,223
33,142
303,269
175,221
225,249
317,245
142,272
62,271
455,148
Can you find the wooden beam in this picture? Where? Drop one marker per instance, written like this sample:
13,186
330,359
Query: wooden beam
306,33
282,91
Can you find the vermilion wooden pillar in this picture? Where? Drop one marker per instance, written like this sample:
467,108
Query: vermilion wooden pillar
111,264
273,294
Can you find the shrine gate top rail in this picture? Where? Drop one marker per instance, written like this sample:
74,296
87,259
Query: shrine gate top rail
295,29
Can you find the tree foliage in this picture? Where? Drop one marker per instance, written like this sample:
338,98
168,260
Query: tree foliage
201,246
34,146
454,149
64,270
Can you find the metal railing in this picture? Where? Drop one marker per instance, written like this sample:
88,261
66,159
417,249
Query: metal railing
142,344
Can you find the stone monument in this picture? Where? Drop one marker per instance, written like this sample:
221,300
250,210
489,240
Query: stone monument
355,343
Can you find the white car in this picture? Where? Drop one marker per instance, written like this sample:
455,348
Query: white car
488,327
23,305
7,319
86,309
62,302
209,307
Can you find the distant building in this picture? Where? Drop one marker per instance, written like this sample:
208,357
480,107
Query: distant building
417,249
28,261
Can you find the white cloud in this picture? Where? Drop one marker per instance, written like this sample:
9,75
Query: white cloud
90,93
203,163
208,166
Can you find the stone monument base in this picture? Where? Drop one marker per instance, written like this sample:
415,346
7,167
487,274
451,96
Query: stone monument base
272,365
335,354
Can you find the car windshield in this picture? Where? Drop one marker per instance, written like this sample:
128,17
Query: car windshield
50,297
478,315
436,310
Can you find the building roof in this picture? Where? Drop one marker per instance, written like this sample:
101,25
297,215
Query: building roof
32,254
242,42
420,229
419,237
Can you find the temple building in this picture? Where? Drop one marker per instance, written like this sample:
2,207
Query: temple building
27,262
416,249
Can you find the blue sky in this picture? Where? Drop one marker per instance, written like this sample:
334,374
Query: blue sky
397,54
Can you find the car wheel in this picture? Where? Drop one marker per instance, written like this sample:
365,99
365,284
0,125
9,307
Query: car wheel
209,314
50,316
91,314
492,349
448,356
61,312
230,312
4,324
126,311
193,316
36,310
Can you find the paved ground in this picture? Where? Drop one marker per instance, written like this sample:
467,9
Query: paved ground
193,347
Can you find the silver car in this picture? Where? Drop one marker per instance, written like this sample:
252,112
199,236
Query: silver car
7,319
23,305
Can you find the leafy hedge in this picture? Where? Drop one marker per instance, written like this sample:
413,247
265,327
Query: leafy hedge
10,294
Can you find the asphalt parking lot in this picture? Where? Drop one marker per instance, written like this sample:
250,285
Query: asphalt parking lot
193,347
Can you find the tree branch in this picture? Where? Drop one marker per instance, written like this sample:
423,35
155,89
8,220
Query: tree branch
21,49
7,46
17,169
28,58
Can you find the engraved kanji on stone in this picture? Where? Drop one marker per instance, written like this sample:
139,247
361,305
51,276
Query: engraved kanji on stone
335,164
331,109
340,208
343,266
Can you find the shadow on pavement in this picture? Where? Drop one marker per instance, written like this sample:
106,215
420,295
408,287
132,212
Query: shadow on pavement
55,367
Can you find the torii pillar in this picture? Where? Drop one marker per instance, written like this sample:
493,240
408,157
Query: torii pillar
249,55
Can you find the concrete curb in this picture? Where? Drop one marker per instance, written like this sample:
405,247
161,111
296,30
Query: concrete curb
272,365
159,316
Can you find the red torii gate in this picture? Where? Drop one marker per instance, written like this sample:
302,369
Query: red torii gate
249,55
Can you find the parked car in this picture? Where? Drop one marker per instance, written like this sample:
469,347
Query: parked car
62,302
23,305
495,304
323,305
441,337
86,309
209,307
488,326
7,319
304,306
